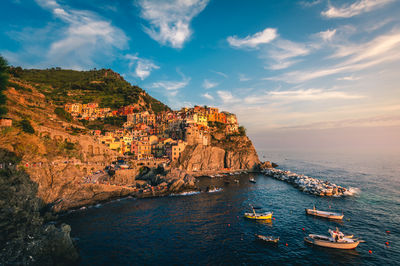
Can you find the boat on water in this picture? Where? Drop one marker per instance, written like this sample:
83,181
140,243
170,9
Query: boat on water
325,214
252,180
258,216
336,240
268,239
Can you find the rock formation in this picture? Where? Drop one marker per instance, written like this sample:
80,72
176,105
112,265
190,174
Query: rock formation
232,152
24,238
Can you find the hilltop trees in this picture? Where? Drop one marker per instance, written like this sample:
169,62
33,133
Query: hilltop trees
3,85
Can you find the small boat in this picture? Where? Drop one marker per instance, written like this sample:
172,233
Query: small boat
325,214
252,180
336,240
268,239
258,216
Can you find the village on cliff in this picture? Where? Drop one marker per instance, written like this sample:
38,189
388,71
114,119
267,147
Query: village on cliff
161,136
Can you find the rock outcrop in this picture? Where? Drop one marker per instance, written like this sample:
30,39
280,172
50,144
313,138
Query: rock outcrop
24,239
176,180
232,152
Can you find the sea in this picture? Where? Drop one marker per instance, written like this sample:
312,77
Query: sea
209,228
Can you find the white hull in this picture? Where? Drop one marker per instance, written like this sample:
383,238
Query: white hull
324,214
324,241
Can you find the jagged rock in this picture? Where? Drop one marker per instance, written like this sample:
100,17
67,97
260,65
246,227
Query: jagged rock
235,153
177,185
23,238
267,165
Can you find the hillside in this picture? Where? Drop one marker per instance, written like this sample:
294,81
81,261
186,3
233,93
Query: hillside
102,86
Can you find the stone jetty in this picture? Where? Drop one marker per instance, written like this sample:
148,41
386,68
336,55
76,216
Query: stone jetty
308,184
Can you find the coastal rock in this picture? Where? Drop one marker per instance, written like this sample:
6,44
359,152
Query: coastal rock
235,152
200,157
23,237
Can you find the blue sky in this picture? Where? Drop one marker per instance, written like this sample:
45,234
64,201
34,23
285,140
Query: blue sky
281,66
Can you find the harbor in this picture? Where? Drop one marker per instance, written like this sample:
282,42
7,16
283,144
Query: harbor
309,184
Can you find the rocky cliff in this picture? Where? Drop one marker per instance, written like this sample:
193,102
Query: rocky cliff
225,152
24,237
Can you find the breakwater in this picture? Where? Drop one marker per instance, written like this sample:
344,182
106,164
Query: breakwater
309,184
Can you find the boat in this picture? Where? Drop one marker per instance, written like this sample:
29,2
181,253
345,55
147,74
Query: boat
325,214
336,240
252,180
268,239
258,216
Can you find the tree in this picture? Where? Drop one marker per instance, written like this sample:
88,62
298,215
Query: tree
26,126
62,114
3,85
242,131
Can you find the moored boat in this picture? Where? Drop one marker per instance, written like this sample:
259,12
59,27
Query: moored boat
252,180
258,216
336,240
268,239
325,214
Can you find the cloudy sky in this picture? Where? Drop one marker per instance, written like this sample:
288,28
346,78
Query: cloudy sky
295,72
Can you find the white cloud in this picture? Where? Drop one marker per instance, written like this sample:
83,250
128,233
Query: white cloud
312,94
283,51
382,49
207,84
254,40
310,3
349,78
327,35
82,38
208,96
290,96
227,97
220,73
243,77
359,7
169,21
172,87
143,66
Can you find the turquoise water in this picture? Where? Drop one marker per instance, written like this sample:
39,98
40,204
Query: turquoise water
208,228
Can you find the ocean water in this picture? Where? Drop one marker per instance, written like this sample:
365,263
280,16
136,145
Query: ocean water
209,228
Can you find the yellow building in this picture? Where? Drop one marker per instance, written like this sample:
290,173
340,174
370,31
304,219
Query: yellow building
178,149
144,150
200,119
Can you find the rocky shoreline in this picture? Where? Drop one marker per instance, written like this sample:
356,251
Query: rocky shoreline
308,184
26,235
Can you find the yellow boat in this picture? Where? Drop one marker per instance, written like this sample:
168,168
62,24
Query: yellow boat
258,216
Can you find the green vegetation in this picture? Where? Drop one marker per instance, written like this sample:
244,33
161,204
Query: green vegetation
18,87
3,85
62,114
103,86
242,131
218,125
26,126
102,124
68,145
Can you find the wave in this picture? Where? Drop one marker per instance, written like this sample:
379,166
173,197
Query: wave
214,190
187,193
351,191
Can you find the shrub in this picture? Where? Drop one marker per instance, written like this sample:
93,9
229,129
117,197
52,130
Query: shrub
26,126
242,131
62,114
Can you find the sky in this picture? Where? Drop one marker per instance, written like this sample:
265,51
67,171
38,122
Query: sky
298,74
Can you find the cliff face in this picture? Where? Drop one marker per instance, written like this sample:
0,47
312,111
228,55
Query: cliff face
24,238
233,152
